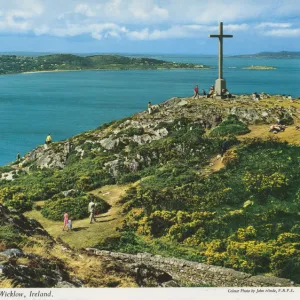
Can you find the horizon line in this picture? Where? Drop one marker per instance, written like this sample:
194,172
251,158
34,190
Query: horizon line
138,53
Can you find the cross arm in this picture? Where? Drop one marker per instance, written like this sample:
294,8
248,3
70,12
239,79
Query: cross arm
223,36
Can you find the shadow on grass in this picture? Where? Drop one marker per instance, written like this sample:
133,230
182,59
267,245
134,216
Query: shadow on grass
98,221
102,216
79,228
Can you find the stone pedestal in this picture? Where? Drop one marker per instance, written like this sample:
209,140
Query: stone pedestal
219,86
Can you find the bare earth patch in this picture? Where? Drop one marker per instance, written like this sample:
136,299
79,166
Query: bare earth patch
290,135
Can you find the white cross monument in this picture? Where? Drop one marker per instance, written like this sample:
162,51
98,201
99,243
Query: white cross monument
220,82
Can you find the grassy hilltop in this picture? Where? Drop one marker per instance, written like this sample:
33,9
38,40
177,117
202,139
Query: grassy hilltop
162,188
10,64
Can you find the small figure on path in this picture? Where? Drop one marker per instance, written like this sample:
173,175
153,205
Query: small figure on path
66,219
277,128
91,210
203,93
48,139
225,146
226,94
255,96
18,157
149,108
211,92
196,92
70,224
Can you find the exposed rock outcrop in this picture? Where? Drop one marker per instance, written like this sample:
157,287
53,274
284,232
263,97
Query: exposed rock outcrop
178,271
143,128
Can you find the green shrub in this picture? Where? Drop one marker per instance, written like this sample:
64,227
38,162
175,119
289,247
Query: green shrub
286,119
129,177
77,207
263,184
9,235
105,125
19,203
285,262
231,126
15,198
131,131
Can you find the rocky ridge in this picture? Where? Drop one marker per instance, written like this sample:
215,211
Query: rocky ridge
142,128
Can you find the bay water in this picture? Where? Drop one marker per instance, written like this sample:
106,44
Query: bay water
67,103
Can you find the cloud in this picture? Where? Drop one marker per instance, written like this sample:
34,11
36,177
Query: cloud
85,10
275,25
236,27
184,31
291,32
147,19
96,31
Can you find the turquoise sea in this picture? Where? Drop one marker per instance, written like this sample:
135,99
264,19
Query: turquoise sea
67,103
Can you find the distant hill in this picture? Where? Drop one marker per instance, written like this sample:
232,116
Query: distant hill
281,54
10,64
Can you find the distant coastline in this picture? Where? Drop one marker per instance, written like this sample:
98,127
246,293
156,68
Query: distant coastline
259,68
277,55
12,64
55,71
50,71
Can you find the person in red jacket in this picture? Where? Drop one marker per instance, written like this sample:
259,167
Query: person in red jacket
196,92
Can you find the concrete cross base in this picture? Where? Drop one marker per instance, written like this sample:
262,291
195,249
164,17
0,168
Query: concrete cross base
219,97
219,86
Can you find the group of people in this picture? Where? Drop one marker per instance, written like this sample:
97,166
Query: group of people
68,221
196,92
289,97
255,96
211,94
277,128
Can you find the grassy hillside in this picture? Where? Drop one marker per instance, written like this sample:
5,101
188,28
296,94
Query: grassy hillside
10,64
180,200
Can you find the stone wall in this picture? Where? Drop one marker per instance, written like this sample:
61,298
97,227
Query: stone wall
193,272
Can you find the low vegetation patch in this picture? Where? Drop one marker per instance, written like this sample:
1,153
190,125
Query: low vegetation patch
76,206
231,126
244,216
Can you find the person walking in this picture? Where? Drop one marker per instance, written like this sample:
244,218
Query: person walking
18,157
196,92
225,146
66,220
48,139
149,108
91,210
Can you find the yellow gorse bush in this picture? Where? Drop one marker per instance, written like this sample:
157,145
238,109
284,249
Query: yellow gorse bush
259,183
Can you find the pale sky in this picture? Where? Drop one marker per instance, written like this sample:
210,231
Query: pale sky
148,26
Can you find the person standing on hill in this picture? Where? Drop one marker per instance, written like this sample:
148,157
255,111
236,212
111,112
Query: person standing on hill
66,220
225,146
18,157
196,92
149,108
91,210
48,139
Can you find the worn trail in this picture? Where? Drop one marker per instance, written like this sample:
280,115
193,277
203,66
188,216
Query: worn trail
85,234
